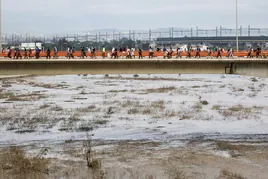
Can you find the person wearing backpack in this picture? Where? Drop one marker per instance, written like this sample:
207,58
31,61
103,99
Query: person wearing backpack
197,52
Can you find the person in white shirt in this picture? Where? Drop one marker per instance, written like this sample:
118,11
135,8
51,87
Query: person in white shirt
68,52
128,53
133,53
113,53
55,52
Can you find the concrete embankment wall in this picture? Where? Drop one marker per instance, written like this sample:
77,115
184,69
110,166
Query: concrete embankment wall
251,67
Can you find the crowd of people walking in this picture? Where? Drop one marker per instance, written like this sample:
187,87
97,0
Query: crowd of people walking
129,53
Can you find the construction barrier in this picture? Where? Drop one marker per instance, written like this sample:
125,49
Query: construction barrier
144,54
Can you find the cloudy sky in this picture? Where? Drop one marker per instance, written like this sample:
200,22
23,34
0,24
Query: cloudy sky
67,16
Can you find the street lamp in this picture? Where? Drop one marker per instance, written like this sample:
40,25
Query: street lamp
236,25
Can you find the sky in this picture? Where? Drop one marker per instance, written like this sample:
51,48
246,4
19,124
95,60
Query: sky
73,16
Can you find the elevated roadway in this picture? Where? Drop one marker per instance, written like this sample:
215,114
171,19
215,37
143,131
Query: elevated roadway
240,66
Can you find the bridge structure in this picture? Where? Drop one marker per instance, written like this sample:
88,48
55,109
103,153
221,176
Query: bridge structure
220,39
239,66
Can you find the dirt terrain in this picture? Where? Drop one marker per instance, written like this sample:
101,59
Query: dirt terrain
134,126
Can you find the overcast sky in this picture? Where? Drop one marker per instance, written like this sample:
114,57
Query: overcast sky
69,16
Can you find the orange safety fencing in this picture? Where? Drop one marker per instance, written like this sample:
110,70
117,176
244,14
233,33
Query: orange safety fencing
144,54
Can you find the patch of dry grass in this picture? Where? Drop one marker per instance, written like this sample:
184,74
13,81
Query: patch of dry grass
83,92
226,174
176,173
170,113
56,108
44,106
161,90
216,107
147,111
4,95
197,107
48,86
91,108
237,111
118,91
133,111
15,164
224,145
85,128
26,97
152,79
158,104
100,122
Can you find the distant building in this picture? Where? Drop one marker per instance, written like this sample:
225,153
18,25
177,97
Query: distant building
31,45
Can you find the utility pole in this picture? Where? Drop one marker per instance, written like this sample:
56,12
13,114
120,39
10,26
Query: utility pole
237,26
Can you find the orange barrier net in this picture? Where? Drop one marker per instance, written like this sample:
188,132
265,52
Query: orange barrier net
144,54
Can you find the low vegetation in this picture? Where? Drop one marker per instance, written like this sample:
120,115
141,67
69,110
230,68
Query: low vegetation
176,173
226,174
224,145
118,91
4,95
161,90
14,163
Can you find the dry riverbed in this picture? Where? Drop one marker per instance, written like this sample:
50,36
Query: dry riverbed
134,126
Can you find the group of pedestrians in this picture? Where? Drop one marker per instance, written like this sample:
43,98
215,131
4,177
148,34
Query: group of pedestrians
129,53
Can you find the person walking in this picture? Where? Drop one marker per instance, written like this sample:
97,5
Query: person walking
133,53
140,53
30,53
219,52
151,52
189,49
103,54
9,52
48,53
230,53
18,53
258,52
68,52
120,51
170,52
128,53
55,52
37,52
72,52
82,53
250,50
113,53
178,53
197,52
25,53
209,53
94,52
